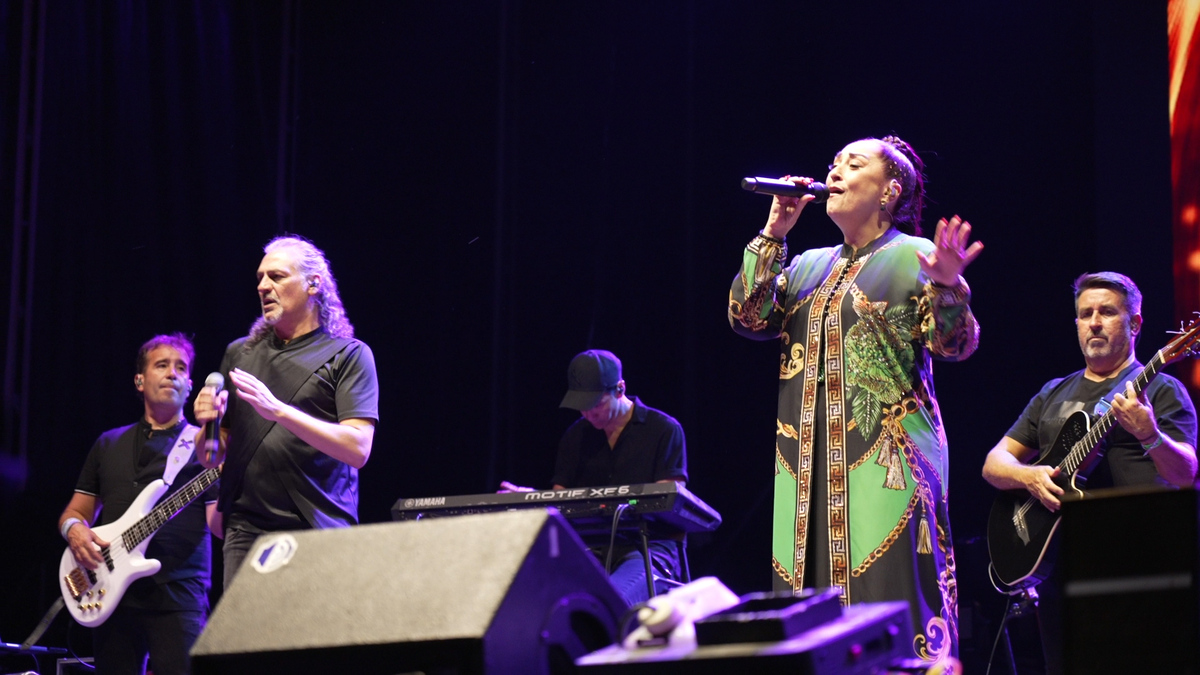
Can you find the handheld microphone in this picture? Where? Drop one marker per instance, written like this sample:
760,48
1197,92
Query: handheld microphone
212,429
785,188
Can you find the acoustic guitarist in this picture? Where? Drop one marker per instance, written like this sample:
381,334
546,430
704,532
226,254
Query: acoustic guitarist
1154,441
161,615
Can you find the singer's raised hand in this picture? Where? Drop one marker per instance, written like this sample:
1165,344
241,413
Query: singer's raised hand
952,255
253,391
785,210
347,441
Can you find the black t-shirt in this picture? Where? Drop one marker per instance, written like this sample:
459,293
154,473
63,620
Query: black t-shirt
121,463
1125,461
651,448
277,481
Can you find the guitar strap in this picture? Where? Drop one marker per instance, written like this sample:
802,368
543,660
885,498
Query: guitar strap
1101,408
180,453
1105,402
287,373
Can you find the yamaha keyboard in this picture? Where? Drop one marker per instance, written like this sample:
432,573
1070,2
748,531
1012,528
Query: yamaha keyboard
665,507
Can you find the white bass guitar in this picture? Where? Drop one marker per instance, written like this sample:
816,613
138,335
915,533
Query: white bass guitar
92,595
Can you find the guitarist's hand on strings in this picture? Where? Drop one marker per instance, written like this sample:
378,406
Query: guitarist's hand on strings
83,542
1134,414
1039,481
1006,468
1174,460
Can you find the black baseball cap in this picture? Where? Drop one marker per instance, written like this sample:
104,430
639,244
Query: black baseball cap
591,374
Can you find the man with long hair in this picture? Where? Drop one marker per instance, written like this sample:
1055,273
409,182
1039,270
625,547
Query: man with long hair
299,419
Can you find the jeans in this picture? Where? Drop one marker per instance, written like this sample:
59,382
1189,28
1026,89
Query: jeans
629,569
235,549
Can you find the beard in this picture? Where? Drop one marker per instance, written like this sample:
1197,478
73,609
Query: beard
1114,346
273,314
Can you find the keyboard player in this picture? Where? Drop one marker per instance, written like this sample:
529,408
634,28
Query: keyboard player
619,440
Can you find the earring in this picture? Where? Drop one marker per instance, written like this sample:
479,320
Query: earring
883,205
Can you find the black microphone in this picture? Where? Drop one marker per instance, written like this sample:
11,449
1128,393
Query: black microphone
212,429
786,188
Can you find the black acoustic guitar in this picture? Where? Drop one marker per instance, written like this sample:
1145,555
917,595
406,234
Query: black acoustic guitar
1021,530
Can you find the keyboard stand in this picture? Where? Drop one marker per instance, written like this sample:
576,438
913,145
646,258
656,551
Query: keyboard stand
646,558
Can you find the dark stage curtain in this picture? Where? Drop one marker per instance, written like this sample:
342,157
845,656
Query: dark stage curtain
500,185
157,170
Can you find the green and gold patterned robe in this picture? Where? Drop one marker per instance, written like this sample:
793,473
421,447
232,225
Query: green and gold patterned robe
861,464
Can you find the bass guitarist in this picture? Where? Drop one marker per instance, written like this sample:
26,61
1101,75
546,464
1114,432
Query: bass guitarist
159,616
1154,441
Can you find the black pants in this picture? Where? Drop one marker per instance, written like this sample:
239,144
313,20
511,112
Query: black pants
130,635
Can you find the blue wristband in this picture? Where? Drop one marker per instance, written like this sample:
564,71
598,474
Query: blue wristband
67,525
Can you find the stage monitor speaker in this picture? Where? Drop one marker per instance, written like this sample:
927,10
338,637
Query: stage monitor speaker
510,592
1130,602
